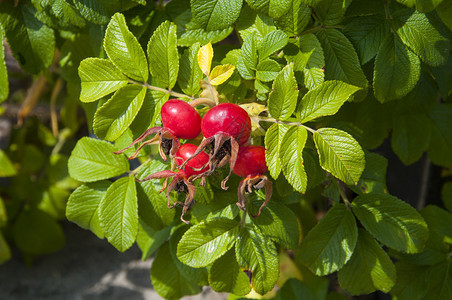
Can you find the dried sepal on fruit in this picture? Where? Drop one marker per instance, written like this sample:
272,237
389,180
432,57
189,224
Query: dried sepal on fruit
252,166
180,121
182,180
225,127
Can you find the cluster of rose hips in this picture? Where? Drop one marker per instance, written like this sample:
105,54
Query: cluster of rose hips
226,129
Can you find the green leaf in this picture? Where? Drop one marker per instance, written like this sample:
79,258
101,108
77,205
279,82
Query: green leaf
163,55
411,281
446,195
123,49
273,8
369,268
97,11
152,205
330,244
99,78
32,42
190,74
373,178
324,100
149,113
59,14
313,70
282,101
392,221
166,278
3,214
149,240
439,224
258,254
247,62
273,140
397,70
251,22
340,154
271,43
331,12
296,19
187,37
341,59
422,5
83,206
6,167
423,35
444,11
118,213
296,290
93,160
204,243
225,275
267,70
114,117
290,155
215,14
441,139
36,232
278,223
224,206
410,136
4,85
367,34
5,252
439,283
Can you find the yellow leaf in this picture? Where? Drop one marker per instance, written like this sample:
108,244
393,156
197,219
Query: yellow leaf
220,74
205,55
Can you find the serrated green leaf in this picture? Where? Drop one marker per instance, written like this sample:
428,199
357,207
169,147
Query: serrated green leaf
99,78
397,70
6,167
290,155
252,22
439,224
36,232
152,205
411,281
215,14
341,60
273,140
273,8
59,14
267,70
224,206
439,283
282,100
296,290
163,56
277,222
313,70
367,34
446,195
167,280
204,243
118,213
149,113
422,5
149,240
441,139
123,49
410,137
272,42
190,74
331,12
324,100
296,19
392,221
4,85
423,35
373,178
258,254
187,37
444,11
225,275
340,154
97,11
32,42
369,268
114,117
330,244
443,77
247,62
93,160
5,252
83,206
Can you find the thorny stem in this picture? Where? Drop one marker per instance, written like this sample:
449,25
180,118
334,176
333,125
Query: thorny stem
272,120
156,88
